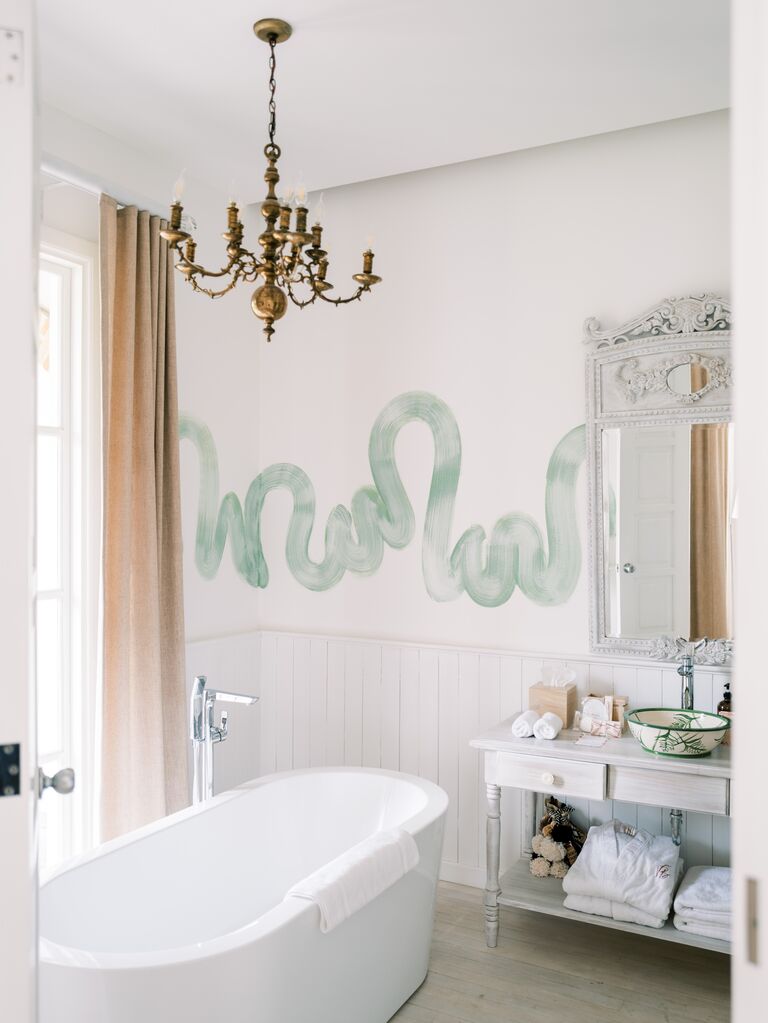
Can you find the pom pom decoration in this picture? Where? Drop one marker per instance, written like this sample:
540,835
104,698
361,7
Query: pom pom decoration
540,867
558,841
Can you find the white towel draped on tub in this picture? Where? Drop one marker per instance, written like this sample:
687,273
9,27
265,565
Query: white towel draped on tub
624,864
355,878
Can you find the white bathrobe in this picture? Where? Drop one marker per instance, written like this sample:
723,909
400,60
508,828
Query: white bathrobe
627,866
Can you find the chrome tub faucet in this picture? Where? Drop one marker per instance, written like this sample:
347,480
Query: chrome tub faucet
205,734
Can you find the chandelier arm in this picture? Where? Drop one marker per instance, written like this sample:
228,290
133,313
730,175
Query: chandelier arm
199,270
210,292
335,301
344,301
301,303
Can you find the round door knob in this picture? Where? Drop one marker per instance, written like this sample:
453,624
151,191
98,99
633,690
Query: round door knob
548,778
62,782
628,567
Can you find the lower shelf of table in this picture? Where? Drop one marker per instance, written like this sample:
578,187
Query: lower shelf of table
521,890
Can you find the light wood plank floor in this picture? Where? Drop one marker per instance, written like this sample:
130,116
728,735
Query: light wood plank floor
547,970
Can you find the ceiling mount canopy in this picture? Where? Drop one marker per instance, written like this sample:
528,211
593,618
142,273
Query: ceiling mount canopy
292,264
269,27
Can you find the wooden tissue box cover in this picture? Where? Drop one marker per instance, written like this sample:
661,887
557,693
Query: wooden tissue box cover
560,700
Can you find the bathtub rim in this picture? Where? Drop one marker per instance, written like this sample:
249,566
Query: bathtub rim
52,953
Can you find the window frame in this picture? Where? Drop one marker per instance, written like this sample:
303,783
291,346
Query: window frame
76,261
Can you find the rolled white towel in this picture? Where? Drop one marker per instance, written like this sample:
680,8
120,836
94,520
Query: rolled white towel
548,726
522,726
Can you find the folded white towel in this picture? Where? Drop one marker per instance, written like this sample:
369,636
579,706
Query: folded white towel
703,927
548,726
705,895
624,864
613,910
355,878
522,726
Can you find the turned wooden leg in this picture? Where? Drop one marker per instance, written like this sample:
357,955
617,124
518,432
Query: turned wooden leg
493,851
530,821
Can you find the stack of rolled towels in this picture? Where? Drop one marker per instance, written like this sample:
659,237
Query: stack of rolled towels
703,902
625,873
540,726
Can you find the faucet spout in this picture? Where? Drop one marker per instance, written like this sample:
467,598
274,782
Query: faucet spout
685,671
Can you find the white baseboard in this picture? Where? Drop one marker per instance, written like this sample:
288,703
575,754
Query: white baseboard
456,873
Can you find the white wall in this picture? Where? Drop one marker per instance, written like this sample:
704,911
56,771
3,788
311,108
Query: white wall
327,701
490,269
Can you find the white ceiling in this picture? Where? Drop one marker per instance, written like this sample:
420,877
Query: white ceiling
368,88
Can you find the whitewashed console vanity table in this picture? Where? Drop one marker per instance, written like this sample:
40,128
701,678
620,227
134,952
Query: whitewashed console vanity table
658,439
619,770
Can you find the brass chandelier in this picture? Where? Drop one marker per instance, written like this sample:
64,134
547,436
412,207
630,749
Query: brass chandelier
292,264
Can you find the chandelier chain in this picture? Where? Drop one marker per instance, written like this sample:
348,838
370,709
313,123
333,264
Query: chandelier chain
272,89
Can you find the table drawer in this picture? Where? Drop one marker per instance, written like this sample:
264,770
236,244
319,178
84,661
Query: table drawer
547,774
701,793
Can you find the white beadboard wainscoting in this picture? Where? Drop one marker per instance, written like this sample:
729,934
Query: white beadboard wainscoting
331,701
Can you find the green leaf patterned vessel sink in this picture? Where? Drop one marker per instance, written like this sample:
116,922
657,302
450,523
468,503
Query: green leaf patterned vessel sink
672,732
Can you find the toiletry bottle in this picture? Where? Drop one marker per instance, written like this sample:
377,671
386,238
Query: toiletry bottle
724,708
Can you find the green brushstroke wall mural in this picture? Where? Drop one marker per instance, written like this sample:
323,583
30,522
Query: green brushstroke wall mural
487,570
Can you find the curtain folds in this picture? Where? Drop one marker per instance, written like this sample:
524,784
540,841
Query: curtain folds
710,611
144,756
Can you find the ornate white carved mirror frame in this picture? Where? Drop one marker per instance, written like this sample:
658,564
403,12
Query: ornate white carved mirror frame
628,384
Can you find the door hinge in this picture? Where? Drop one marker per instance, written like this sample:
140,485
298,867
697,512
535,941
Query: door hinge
10,769
11,57
753,913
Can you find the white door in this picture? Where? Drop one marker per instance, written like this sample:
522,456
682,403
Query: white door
653,531
18,285
750,273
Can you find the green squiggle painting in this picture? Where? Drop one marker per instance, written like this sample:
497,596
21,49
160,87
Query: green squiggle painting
487,569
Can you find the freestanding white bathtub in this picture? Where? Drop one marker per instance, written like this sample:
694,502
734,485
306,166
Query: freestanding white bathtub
184,921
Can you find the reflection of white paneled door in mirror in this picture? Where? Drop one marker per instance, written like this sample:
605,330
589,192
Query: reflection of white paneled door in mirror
653,529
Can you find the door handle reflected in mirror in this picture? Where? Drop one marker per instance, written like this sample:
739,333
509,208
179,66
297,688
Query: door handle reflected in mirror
628,567
62,782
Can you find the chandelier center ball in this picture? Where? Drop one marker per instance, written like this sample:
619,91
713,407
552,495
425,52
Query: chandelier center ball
269,27
269,302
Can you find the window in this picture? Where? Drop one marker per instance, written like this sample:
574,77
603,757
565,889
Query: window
68,543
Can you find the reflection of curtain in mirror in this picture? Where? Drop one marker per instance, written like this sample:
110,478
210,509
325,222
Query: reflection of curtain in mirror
710,612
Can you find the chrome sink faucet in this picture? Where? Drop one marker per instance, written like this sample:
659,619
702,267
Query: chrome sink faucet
205,734
685,671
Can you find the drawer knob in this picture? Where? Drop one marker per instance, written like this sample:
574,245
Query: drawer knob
548,778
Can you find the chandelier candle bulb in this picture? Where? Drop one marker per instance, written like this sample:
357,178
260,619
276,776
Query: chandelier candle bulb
178,187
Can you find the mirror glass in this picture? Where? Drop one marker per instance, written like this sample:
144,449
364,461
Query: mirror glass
668,518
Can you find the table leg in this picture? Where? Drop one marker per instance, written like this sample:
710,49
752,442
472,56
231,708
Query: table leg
493,852
531,821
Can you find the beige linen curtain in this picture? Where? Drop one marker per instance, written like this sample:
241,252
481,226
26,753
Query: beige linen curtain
144,757
710,610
